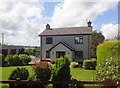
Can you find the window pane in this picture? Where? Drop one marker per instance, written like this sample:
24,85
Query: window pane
78,40
78,54
49,40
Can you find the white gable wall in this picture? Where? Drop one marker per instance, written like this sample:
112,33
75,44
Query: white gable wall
60,47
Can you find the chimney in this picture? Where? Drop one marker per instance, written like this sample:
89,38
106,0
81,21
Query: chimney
48,27
89,24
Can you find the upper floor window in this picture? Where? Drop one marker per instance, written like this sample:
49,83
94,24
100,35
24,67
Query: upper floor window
49,40
78,39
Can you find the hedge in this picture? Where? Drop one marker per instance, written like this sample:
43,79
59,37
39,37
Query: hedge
106,50
89,64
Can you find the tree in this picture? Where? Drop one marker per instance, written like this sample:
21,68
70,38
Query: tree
97,38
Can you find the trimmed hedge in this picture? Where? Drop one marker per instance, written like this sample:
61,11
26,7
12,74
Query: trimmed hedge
89,64
107,50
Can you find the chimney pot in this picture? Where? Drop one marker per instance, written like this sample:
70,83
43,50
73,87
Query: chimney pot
89,24
48,27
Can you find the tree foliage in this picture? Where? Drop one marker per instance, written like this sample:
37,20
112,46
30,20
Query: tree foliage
97,38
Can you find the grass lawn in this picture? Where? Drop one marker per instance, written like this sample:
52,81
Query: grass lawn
77,73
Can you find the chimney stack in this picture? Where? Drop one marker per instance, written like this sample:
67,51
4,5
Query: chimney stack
89,24
48,27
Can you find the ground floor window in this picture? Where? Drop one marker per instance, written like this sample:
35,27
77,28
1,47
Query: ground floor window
47,54
78,54
60,54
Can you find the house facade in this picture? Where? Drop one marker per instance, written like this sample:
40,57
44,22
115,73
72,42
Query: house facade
75,42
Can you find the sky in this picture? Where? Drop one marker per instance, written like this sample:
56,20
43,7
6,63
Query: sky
22,21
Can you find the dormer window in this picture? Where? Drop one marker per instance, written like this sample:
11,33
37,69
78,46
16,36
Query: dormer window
49,40
78,39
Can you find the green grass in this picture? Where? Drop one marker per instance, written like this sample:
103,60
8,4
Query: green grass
6,71
77,73
81,74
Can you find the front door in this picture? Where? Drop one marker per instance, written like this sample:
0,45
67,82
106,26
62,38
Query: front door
60,53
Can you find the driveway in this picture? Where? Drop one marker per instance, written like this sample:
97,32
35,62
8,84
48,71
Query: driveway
34,59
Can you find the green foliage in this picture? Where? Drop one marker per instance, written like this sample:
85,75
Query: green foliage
107,50
97,38
16,61
89,64
42,71
18,74
74,64
21,73
2,59
109,69
25,58
9,59
61,71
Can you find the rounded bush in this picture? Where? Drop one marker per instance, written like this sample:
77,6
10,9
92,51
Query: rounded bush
16,61
74,64
25,58
21,73
42,71
9,59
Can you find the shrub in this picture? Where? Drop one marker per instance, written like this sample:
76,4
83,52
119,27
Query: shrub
25,58
16,60
2,59
107,50
21,73
18,74
61,71
74,64
42,71
89,64
109,69
9,59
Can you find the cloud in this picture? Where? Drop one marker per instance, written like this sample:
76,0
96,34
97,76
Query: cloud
110,31
70,13
22,21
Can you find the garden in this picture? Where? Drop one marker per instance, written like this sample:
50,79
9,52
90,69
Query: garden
107,67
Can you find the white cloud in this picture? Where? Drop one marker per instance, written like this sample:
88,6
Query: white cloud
110,31
22,21
71,13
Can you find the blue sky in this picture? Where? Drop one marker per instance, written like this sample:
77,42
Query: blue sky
24,21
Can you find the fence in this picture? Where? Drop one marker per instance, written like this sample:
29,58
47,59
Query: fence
106,83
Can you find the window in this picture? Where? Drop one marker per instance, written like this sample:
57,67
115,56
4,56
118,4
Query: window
49,40
78,40
47,54
78,54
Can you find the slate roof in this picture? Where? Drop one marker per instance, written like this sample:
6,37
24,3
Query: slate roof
67,31
65,44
